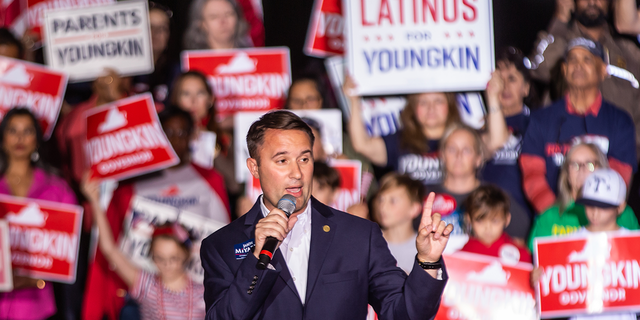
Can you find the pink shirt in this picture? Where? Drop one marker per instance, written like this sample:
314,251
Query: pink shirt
157,302
33,303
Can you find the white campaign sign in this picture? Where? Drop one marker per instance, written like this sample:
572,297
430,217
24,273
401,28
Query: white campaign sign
145,216
381,115
83,42
396,47
330,121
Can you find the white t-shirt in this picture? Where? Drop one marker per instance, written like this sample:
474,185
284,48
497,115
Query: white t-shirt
405,253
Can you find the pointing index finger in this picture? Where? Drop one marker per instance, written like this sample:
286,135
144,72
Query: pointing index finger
426,212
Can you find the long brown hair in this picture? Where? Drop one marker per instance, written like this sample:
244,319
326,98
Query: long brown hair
412,137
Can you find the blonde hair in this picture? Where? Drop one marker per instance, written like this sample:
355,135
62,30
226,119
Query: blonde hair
478,145
565,195
195,38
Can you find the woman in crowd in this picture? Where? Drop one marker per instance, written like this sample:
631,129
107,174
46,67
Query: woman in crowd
186,186
305,93
169,295
502,168
414,149
463,152
566,217
165,68
216,24
213,145
24,174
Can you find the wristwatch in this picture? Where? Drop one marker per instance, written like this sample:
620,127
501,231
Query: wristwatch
430,265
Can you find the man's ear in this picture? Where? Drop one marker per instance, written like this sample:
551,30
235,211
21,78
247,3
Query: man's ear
527,89
252,165
603,71
507,219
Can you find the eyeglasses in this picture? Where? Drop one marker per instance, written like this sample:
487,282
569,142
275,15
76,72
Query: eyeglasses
307,100
577,166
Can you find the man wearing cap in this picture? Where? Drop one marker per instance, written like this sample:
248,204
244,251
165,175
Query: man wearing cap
588,19
581,116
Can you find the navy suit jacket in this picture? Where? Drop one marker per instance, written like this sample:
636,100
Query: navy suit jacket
350,266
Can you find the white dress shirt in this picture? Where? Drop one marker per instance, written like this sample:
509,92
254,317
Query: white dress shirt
295,248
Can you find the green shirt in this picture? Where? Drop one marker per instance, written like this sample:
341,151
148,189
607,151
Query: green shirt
552,223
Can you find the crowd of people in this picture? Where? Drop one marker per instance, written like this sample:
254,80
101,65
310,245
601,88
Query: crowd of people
556,119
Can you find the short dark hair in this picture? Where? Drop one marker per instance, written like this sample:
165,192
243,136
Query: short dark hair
484,200
415,189
176,112
325,175
8,39
514,56
277,120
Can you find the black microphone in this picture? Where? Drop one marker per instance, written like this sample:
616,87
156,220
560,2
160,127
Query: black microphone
287,204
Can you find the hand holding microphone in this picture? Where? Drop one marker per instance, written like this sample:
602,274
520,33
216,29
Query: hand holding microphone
272,229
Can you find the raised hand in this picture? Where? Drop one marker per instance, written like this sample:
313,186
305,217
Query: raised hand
433,233
494,89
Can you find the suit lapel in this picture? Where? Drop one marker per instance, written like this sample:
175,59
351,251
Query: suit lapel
251,219
322,231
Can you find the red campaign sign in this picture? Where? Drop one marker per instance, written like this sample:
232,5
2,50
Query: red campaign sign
484,287
45,237
24,84
589,273
325,36
350,184
125,139
36,9
243,79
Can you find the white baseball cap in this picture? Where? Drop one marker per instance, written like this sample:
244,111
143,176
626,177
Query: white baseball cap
604,188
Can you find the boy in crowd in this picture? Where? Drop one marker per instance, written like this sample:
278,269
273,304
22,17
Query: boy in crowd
487,216
604,198
398,202
326,183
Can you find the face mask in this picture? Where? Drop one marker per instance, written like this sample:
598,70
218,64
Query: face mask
591,21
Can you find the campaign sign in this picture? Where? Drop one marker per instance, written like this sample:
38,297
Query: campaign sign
483,287
146,215
349,193
328,120
6,274
325,36
84,41
125,139
24,84
243,79
588,274
411,46
44,237
381,115
36,9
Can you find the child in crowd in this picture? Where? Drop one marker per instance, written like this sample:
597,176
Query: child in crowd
487,215
603,196
398,202
326,182
170,294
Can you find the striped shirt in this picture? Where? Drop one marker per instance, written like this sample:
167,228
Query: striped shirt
157,302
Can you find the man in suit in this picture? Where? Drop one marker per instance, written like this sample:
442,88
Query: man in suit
329,264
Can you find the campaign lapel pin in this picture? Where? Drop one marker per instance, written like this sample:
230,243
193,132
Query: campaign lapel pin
326,228
242,249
